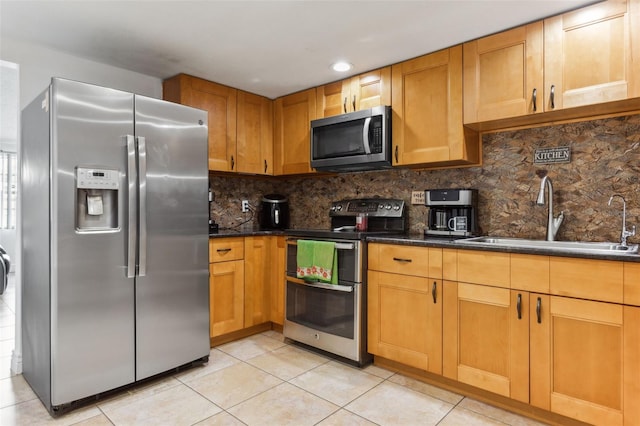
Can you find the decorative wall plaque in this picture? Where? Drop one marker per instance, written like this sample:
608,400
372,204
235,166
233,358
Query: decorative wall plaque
561,154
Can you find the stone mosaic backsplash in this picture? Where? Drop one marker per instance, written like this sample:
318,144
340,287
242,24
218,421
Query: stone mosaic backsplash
605,160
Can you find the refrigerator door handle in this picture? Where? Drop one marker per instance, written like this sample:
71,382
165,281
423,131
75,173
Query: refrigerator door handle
132,219
142,206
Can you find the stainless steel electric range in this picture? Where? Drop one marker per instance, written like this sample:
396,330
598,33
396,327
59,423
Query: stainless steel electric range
333,317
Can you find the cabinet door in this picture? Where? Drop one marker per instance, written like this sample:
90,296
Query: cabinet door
427,112
220,102
592,55
582,359
405,319
371,89
226,297
293,115
486,338
278,263
363,91
254,134
257,280
334,99
503,75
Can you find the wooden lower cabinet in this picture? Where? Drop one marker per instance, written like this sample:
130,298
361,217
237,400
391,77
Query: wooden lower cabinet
277,260
585,359
226,297
538,334
486,338
405,319
257,280
243,271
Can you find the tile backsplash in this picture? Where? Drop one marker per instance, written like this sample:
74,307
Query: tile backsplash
605,160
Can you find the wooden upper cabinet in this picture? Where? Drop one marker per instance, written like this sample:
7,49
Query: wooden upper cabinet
293,115
592,55
353,94
220,102
503,74
255,134
427,112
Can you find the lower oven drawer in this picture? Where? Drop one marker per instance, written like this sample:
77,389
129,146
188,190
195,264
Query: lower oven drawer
329,308
327,317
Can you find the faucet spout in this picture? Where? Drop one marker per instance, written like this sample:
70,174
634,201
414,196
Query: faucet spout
624,234
553,224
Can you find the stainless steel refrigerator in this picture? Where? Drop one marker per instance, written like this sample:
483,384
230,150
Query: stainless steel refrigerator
115,240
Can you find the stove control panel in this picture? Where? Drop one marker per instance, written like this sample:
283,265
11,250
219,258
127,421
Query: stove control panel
373,207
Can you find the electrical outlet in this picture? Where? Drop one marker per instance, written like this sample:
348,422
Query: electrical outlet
417,197
245,206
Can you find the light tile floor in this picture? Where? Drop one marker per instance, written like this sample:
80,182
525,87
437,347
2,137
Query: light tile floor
259,380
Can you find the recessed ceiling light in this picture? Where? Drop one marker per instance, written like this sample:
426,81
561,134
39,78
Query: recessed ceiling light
341,66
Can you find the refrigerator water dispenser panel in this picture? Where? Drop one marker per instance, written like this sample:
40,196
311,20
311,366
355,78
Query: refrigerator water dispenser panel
97,199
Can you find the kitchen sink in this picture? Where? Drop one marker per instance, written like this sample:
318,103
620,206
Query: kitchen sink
563,246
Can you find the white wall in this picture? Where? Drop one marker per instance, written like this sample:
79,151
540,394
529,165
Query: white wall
39,64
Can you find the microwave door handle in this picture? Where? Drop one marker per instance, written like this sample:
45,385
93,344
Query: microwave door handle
365,135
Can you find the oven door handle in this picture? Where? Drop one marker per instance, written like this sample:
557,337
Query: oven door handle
339,246
317,284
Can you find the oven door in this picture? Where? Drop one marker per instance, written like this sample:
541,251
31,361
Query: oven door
325,316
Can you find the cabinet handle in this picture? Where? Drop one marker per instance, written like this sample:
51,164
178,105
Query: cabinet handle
265,166
539,309
433,291
233,163
354,102
553,96
396,153
519,306
224,250
535,95
344,104
399,259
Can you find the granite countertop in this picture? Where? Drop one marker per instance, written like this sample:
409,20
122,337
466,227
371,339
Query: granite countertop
418,239
244,232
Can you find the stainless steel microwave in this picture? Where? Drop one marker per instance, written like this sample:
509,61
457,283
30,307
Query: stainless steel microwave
359,140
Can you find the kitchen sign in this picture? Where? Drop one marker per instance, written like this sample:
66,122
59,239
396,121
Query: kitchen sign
561,154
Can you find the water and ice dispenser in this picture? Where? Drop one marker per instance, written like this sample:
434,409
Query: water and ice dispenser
97,199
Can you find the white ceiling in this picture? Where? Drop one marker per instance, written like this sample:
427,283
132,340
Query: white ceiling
267,47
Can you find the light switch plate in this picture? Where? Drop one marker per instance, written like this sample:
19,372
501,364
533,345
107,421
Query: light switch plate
417,197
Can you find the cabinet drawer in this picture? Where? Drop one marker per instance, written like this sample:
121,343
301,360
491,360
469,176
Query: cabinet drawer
406,260
481,267
587,279
226,249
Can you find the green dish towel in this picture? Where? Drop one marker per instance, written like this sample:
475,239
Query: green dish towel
317,261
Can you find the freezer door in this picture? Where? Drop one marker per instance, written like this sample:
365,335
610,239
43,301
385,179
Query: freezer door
92,300
172,289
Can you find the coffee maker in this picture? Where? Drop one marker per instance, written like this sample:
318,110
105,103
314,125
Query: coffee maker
453,213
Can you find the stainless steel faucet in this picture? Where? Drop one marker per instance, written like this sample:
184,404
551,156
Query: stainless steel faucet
624,234
552,223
